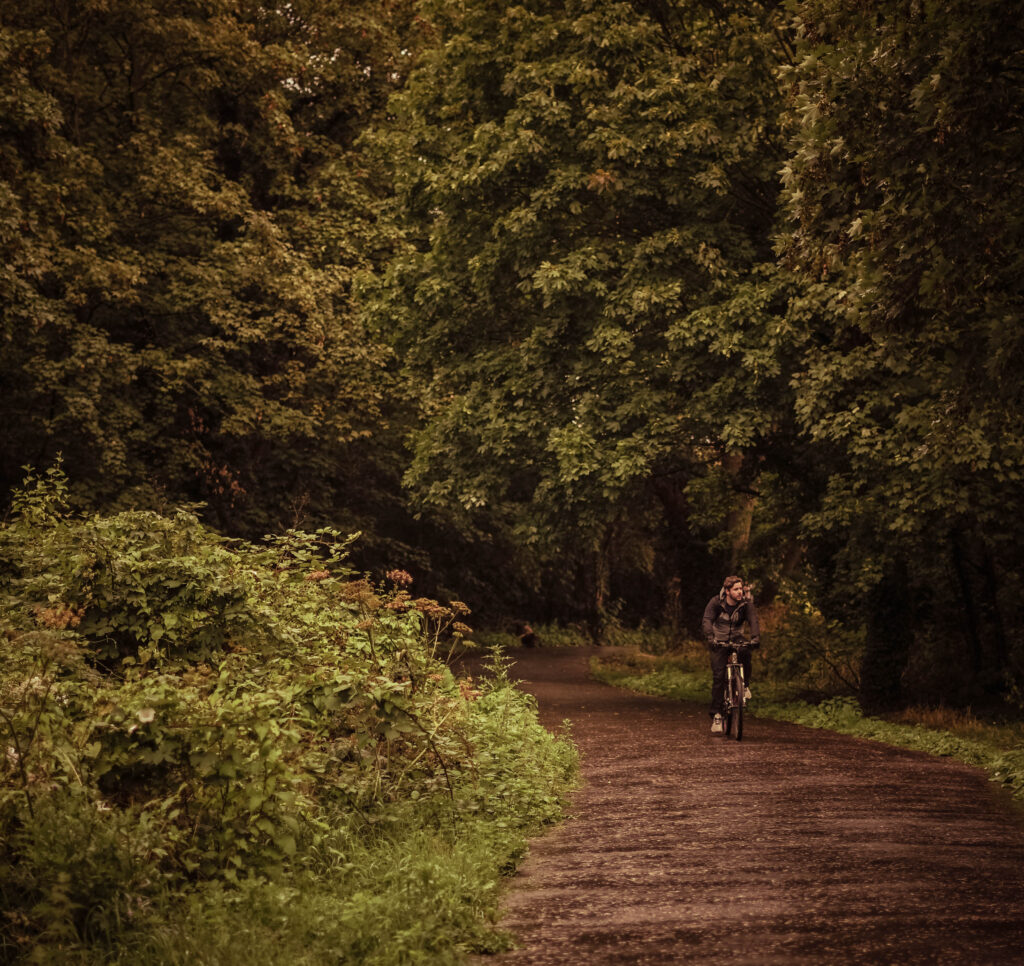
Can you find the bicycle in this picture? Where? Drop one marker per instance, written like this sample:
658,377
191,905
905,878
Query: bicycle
734,699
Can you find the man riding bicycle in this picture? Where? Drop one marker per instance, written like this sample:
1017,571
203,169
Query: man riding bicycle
723,622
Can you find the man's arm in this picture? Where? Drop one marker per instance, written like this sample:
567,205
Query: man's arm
707,625
755,629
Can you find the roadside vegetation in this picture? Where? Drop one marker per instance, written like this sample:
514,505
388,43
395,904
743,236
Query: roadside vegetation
213,751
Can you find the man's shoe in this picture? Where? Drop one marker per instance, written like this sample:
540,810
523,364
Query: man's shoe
717,727
746,694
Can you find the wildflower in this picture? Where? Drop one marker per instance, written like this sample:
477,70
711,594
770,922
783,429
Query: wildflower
357,591
318,575
460,608
459,628
59,617
430,608
400,578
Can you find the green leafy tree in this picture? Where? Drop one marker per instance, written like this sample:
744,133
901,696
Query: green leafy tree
589,295
905,194
182,213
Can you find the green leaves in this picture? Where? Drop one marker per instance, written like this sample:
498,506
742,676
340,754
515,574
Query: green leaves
230,704
895,189
181,244
580,173
901,204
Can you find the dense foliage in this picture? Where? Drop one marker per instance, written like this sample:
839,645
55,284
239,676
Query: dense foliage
181,218
904,191
587,300
630,293
613,354
180,713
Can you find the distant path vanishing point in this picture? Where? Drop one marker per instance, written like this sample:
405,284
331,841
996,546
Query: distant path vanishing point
793,846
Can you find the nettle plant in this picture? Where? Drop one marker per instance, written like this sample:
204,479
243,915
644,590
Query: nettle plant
175,705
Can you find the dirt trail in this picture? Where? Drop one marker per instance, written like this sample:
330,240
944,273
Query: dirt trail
794,846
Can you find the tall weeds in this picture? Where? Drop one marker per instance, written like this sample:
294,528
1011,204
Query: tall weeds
214,751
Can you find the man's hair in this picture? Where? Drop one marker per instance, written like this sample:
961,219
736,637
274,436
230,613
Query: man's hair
729,581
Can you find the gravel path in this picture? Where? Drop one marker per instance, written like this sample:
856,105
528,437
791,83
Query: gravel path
794,846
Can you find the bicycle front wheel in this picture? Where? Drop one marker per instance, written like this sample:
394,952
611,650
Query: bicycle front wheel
736,713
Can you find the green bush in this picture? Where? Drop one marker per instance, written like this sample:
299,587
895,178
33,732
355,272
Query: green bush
183,717
806,655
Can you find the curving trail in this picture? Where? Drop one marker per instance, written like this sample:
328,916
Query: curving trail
794,846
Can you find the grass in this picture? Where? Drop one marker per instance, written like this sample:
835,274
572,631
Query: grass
996,747
651,639
406,895
547,635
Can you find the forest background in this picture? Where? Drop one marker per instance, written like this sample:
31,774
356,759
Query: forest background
568,308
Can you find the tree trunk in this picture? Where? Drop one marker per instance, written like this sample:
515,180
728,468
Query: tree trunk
600,598
691,583
889,639
971,624
990,597
741,517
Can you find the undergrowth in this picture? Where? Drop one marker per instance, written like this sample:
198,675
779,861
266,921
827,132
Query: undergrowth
612,634
219,752
996,748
